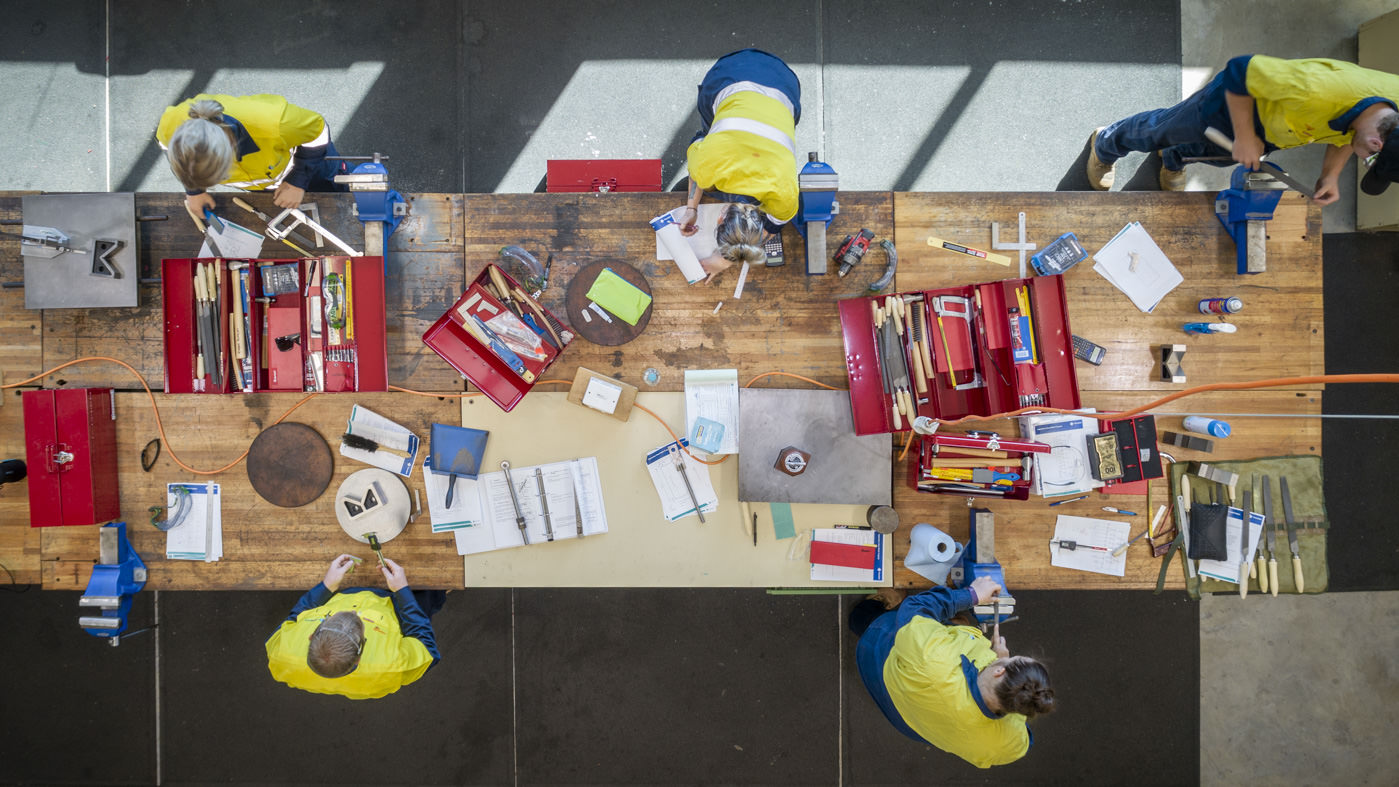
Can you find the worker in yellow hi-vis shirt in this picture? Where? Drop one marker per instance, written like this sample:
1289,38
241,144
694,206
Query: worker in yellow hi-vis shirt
248,142
750,104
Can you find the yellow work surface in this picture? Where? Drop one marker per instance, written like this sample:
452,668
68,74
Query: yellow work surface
640,548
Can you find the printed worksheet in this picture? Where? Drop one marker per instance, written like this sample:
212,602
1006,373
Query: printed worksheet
1094,540
199,536
663,464
713,394
1228,569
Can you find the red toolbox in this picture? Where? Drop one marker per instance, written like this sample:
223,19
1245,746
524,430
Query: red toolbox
459,337
306,325
926,474
604,175
70,445
969,350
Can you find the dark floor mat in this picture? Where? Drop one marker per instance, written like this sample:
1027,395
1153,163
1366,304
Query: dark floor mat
677,687
224,719
76,709
1361,285
1125,670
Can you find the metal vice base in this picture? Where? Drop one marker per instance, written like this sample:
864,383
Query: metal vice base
119,574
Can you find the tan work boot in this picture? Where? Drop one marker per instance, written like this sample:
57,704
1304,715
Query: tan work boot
1099,174
1172,179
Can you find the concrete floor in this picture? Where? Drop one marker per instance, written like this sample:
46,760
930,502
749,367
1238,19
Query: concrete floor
889,100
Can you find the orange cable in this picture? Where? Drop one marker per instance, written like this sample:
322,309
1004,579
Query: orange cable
789,374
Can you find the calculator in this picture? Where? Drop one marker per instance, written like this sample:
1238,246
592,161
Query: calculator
1088,351
773,248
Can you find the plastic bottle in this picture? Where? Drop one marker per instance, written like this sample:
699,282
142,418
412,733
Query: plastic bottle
1209,327
1219,305
1202,425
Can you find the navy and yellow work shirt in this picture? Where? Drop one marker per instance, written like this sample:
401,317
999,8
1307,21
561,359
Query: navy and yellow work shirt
274,139
922,674
399,645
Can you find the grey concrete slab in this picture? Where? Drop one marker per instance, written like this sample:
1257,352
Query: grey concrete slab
385,76
973,96
1284,703
52,95
676,687
613,80
77,710
224,719
1124,669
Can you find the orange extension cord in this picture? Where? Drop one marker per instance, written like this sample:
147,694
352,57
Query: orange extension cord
1277,382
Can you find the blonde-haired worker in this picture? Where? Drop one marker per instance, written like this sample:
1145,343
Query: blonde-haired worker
248,142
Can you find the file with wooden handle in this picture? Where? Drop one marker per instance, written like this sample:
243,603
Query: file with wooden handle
1290,522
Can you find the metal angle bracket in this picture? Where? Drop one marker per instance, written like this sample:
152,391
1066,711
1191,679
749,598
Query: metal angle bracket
1022,246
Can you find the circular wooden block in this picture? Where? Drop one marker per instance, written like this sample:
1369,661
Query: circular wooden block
385,514
594,328
290,465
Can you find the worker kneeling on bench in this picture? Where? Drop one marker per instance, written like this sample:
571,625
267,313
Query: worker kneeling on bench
939,680
363,643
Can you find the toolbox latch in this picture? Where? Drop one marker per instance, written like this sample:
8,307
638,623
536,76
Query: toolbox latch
60,455
603,186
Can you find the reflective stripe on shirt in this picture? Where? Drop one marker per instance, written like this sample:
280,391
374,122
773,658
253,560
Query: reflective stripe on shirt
753,87
754,127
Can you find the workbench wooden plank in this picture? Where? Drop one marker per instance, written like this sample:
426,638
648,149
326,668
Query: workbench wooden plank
265,547
1281,330
1024,528
785,320
424,276
20,358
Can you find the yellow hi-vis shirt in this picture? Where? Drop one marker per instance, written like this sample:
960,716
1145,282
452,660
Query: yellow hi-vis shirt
923,675
1296,99
275,124
740,161
389,660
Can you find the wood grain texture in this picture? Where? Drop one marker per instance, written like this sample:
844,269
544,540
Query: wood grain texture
785,320
265,547
20,357
1280,328
1023,529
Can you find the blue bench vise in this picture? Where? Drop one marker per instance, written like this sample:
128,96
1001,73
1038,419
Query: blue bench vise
1243,208
378,206
816,204
118,575
979,560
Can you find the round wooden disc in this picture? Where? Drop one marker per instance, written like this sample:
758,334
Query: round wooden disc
386,518
290,465
594,328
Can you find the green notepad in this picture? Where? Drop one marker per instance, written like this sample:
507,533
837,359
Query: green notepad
619,296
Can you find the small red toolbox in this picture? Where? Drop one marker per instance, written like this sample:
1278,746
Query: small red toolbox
969,350
471,335
926,474
306,325
70,445
603,175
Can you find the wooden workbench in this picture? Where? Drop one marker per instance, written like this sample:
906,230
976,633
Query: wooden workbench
785,321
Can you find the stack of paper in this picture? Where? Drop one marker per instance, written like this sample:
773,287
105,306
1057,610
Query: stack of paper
369,424
1094,542
571,488
663,465
843,573
1065,469
199,536
1135,264
713,394
234,241
703,242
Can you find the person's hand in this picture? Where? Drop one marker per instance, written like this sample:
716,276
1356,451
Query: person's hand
985,588
288,196
688,217
713,265
998,643
198,202
339,567
1248,151
1327,190
394,576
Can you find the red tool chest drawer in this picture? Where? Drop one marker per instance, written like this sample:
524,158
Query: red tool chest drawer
70,445
458,339
322,330
569,175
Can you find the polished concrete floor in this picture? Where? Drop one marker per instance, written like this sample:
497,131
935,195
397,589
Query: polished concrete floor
601,687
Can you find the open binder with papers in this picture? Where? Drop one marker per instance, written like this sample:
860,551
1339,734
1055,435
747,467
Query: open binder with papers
570,492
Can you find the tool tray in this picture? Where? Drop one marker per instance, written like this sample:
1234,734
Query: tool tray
347,363
449,338
944,445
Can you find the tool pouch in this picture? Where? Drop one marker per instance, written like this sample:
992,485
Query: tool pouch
1208,528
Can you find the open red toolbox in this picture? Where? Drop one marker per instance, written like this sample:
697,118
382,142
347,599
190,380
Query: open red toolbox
274,325
968,350
502,351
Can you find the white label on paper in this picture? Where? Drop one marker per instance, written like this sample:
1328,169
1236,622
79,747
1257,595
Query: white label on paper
602,395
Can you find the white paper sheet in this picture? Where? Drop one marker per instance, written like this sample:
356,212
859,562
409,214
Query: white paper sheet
1065,470
367,423
187,540
662,464
1090,533
1154,275
466,501
499,529
235,243
702,242
1228,569
713,394
847,535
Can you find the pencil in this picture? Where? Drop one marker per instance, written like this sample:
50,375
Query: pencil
1070,500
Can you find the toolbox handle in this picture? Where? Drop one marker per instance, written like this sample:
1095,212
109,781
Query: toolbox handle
58,457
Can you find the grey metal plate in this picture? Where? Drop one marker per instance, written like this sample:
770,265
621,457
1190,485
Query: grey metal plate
843,469
66,281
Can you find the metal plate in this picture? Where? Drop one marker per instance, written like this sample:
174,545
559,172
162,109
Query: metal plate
289,464
66,281
844,468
